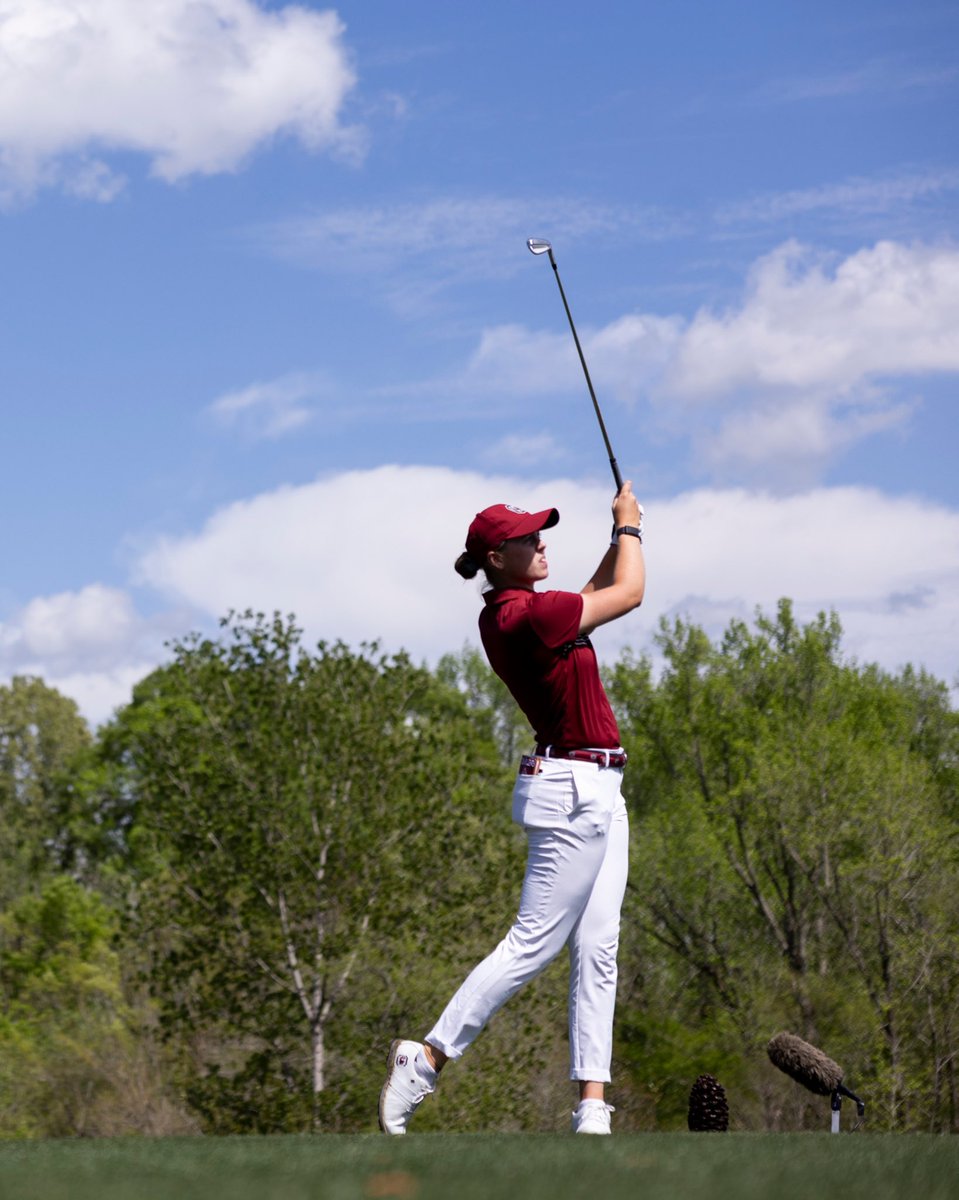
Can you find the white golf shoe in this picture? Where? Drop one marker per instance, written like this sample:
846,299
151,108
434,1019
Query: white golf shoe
405,1088
592,1116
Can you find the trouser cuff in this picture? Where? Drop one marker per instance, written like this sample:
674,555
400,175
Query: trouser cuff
445,1047
592,1074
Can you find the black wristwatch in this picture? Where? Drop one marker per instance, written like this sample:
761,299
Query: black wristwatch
629,529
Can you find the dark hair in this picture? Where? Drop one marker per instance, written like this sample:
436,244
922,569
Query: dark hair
466,566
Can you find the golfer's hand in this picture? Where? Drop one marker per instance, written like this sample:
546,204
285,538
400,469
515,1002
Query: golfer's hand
626,508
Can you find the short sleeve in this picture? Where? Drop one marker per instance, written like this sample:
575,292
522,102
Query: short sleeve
555,617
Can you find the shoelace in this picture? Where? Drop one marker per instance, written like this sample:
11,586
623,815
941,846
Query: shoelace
597,1103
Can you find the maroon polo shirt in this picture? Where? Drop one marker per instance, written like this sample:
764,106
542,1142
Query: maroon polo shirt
533,644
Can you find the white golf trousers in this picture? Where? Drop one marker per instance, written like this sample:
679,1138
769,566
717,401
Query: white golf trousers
578,850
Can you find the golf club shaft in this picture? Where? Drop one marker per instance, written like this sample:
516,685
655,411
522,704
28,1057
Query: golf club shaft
589,383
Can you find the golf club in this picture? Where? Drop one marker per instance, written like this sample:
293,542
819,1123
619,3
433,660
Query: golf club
541,246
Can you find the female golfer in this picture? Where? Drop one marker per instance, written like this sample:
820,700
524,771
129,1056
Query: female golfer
567,797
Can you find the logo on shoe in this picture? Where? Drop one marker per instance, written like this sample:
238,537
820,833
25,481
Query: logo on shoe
401,1060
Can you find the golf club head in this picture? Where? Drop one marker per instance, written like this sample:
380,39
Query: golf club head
538,245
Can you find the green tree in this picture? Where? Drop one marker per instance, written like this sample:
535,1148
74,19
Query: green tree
64,1017
794,851
42,739
293,816
489,701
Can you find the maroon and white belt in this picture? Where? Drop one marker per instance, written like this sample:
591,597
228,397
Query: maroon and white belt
602,758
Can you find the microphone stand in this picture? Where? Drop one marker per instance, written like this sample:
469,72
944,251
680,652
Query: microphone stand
837,1096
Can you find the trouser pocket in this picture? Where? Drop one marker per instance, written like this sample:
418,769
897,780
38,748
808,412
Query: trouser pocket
595,796
545,799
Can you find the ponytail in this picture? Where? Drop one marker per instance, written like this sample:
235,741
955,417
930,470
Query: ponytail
466,566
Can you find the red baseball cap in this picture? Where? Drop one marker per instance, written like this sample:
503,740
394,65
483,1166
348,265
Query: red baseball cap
499,522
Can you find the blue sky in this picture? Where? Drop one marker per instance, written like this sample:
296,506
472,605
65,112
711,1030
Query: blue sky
271,335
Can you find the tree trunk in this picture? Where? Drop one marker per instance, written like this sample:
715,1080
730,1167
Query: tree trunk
318,1070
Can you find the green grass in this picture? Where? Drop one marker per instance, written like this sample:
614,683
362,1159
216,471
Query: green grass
677,1166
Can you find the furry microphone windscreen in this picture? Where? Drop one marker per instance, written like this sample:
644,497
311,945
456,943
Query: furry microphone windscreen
804,1063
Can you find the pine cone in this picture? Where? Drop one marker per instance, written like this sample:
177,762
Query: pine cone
708,1110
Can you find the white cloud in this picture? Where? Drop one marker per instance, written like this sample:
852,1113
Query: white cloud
419,248
515,450
195,85
514,359
369,554
852,549
90,644
99,694
271,409
791,438
885,310
635,351
627,356
349,555
856,197
81,625
771,389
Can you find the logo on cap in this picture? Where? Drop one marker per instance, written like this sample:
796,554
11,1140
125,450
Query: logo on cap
520,511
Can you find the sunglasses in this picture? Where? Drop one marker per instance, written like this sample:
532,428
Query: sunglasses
527,539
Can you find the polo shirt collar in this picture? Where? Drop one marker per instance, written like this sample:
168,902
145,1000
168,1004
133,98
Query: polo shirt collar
501,595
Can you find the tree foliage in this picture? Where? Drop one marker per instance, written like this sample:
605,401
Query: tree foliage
43,740
291,810
63,1011
218,912
796,855
492,709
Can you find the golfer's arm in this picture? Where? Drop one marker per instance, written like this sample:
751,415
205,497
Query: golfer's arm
625,590
603,575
